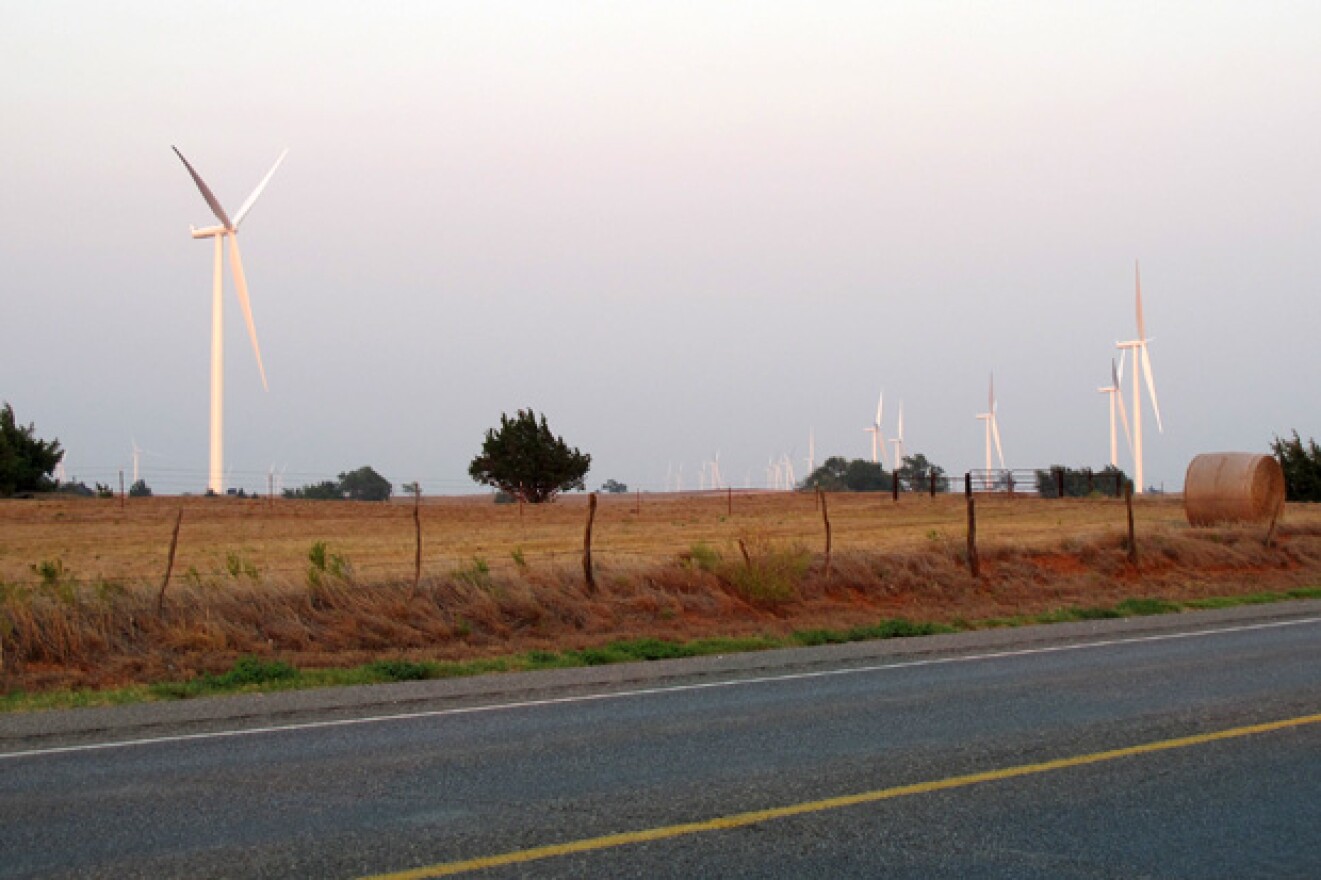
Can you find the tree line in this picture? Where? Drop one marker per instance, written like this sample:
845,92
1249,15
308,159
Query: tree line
523,459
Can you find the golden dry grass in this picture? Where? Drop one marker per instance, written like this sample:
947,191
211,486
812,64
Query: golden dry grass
79,578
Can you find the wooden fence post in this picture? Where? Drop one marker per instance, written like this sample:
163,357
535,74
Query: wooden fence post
825,517
974,565
587,544
169,563
894,485
637,507
417,530
931,475
729,494
121,490
1059,483
1132,537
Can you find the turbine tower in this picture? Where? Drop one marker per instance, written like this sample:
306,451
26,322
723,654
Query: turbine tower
877,438
1115,390
1141,367
228,229
992,427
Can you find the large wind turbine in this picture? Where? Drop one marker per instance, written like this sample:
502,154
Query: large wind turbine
1116,392
228,229
877,438
992,427
1141,367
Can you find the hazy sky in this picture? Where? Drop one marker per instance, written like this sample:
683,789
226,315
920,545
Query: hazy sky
675,228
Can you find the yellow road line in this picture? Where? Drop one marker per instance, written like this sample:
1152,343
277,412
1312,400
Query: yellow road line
739,820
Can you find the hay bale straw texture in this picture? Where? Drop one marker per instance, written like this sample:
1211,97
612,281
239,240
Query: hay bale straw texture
1223,487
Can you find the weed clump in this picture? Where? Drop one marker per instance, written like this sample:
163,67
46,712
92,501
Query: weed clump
401,670
769,575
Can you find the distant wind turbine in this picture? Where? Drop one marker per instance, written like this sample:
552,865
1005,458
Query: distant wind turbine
228,229
1141,367
811,451
790,479
877,438
898,440
1116,392
138,452
992,427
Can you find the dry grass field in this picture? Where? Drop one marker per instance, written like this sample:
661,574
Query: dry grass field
333,583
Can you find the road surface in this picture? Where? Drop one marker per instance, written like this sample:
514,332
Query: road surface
1179,746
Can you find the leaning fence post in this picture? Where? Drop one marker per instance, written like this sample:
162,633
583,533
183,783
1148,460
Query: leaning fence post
587,544
1132,538
825,517
974,565
169,563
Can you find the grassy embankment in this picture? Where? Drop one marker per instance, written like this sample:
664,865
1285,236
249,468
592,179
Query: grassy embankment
309,594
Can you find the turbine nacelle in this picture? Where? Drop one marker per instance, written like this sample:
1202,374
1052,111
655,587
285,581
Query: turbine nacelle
207,231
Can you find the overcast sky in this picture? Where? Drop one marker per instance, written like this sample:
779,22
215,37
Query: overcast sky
675,228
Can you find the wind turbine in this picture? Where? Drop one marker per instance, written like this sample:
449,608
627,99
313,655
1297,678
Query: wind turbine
1115,390
1141,367
992,427
898,440
228,229
811,451
137,458
877,438
137,453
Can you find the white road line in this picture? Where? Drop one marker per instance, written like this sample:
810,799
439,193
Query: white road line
642,692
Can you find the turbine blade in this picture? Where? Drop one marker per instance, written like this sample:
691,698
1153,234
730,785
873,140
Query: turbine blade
1151,386
1123,415
252,199
241,286
995,432
880,405
1114,373
990,396
205,190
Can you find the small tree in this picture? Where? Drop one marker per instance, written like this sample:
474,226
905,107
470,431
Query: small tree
523,458
614,487
917,472
365,484
1301,464
326,490
838,474
139,489
26,461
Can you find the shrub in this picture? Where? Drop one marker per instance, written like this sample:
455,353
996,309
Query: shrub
770,576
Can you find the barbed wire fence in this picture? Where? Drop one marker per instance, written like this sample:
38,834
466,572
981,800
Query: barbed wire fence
414,560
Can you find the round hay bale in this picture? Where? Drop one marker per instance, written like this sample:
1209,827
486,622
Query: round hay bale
1223,487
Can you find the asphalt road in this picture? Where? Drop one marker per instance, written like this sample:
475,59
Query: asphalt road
369,780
